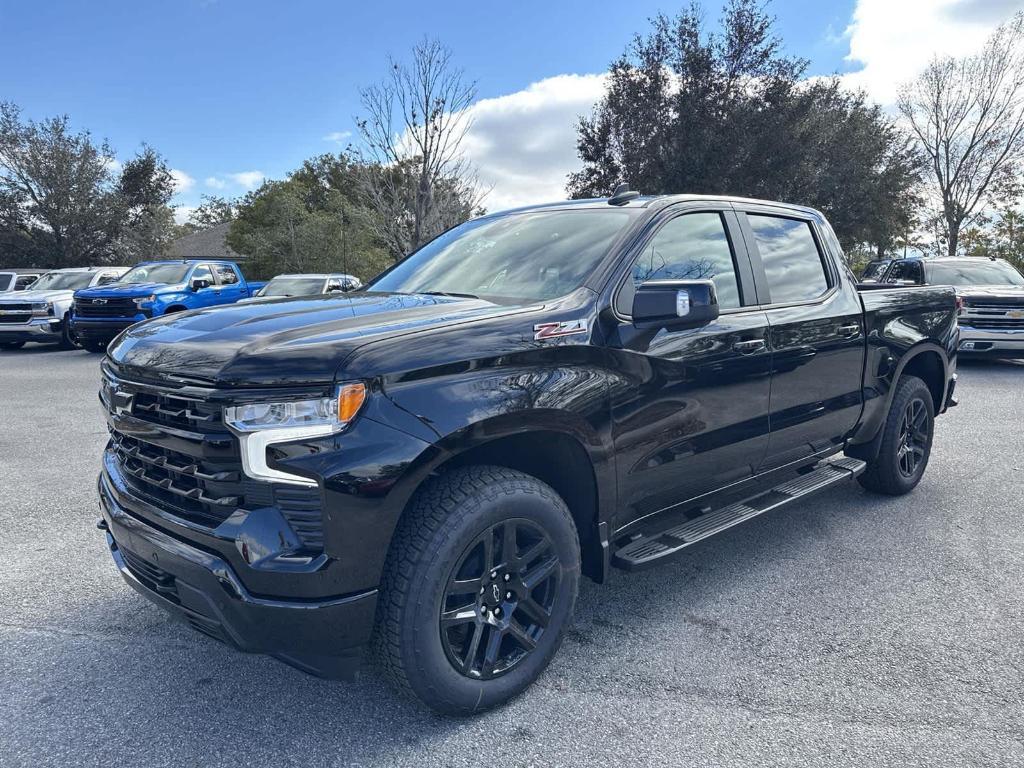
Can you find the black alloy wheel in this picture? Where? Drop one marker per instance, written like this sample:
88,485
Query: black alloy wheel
914,437
499,598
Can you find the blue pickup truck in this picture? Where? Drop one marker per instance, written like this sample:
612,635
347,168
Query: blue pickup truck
152,289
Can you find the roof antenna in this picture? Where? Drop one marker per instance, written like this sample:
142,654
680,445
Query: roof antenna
622,195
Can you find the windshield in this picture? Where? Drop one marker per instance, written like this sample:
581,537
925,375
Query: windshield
292,286
529,256
874,270
982,273
156,273
63,281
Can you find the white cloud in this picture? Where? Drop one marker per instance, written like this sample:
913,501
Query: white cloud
113,164
524,144
893,40
214,183
182,181
338,137
182,212
247,179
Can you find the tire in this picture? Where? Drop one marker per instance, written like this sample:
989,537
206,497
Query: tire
96,347
67,340
443,536
11,345
902,460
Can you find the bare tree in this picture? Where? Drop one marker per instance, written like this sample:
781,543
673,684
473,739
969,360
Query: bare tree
968,115
416,176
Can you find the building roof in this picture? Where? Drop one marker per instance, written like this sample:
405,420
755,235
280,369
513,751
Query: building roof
205,244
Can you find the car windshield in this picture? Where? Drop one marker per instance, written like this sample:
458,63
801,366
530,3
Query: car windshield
519,256
982,273
63,281
156,273
874,270
293,286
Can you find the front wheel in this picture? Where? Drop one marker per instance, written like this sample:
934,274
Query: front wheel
906,440
478,590
67,338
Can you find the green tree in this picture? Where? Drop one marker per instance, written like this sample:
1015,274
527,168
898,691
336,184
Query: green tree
60,201
146,228
313,221
211,211
687,110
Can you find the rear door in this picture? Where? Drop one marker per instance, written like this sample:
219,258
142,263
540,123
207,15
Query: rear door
690,415
816,332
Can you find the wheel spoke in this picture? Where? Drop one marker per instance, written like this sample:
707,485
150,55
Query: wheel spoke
534,611
508,544
458,616
520,636
534,552
538,574
488,550
491,650
464,586
474,645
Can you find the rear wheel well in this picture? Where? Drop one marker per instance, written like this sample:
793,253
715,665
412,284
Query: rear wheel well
561,462
928,367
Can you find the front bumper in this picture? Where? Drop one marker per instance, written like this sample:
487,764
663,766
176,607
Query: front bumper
985,342
321,636
44,330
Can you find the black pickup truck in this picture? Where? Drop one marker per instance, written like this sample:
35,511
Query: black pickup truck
428,467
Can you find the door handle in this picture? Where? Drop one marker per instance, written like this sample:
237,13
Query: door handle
848,330
748,347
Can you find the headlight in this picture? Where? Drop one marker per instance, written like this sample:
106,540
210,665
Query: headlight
145,300
42,308
259,425
335,412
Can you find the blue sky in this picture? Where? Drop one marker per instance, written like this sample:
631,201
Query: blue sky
230,91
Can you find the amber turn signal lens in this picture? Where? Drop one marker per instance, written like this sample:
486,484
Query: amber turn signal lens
350,400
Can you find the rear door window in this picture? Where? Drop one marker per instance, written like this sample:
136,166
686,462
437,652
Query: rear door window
792,262
227,274
906,271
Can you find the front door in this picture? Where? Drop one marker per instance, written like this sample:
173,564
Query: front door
689,415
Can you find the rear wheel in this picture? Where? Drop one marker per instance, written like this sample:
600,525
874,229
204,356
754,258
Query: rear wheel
906,440
11,345
478,590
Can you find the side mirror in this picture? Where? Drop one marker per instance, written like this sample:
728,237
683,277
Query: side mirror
336,289
199,283
675,304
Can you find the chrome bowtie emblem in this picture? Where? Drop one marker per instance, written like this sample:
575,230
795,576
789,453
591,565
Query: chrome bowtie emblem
496,592
99,301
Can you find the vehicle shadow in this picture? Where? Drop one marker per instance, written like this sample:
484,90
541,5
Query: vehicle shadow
113,653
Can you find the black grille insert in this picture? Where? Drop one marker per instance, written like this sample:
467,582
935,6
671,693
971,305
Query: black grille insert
105,308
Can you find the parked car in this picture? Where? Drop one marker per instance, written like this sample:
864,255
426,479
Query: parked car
288,286
991,297
18,279
874,270
42,313
431,465
153,289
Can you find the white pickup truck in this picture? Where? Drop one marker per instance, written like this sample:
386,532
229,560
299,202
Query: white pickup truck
41,313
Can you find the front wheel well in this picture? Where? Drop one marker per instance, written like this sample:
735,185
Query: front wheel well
175,308
558,460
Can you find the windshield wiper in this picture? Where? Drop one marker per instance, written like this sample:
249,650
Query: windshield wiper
450,293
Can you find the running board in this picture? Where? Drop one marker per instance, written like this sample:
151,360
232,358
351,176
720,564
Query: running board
656,546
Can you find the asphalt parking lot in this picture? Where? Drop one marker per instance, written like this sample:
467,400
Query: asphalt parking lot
850,630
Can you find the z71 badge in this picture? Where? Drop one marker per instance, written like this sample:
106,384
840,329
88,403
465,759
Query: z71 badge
543,331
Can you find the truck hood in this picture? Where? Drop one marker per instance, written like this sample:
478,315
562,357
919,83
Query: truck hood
299,341
126,290
33,297
999,293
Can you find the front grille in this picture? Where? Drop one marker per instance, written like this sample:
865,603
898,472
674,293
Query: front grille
186,462
105,308
994,323
24,313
